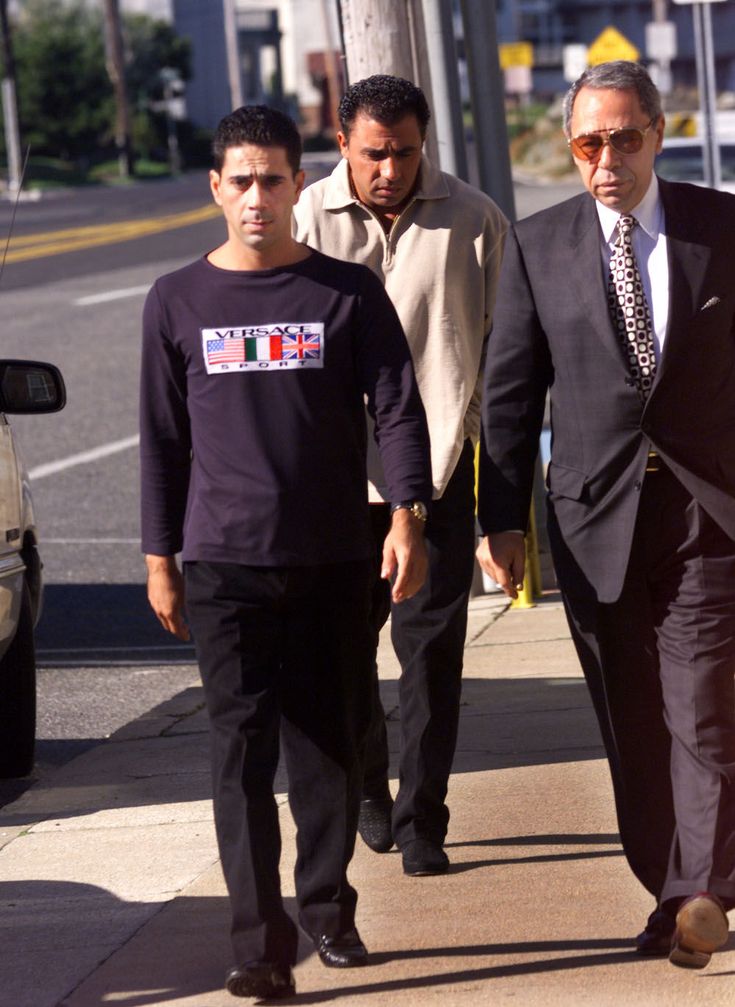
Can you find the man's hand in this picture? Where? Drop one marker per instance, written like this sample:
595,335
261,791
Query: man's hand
404,551
166,594
503,557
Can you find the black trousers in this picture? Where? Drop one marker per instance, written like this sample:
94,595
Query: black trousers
660,665
428,634
284,651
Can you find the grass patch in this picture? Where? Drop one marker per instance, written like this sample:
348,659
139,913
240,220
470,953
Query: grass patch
109,171
53,173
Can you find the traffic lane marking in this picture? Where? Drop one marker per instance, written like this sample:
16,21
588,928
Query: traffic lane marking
83,457
74,239
110,295
91,541
90,230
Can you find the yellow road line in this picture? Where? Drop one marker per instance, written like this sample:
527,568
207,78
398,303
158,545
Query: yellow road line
74,239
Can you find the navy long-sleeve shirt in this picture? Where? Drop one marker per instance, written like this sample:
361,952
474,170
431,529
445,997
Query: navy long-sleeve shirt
252,412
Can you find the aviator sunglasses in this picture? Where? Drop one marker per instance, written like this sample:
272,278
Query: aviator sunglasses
628,140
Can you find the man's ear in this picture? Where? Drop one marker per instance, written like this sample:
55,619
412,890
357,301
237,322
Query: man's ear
343,142
299,179
660,131
215,181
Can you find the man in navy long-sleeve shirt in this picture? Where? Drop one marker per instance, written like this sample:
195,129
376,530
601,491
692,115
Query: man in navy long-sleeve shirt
257,360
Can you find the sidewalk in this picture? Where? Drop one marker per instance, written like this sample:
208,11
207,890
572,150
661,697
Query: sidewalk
111,890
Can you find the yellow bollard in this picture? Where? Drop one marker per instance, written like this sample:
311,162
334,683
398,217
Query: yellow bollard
531,589
532,580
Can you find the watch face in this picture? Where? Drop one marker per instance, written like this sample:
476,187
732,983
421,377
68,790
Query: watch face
419,510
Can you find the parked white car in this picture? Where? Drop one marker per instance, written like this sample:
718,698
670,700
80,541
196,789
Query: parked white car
25,387
682,160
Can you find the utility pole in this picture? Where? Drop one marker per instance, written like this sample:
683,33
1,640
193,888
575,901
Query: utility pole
116,70
387,36
10,108
705,55
488,109
173,87
234,75
331,68
377,38
447,101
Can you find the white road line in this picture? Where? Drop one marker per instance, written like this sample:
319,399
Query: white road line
91,541
98,661
109,650
122,662
113,447
111,295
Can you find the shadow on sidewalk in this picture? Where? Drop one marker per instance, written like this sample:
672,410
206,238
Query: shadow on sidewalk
189,959
180,949
617,955
504,723
510,722
87,625
565,839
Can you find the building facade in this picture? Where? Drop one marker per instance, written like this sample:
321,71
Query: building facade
549,25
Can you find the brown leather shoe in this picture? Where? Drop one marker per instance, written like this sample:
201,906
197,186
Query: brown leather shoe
701,928
656,938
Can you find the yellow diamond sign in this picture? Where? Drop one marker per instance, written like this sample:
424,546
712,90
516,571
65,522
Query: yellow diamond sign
611,44
515,54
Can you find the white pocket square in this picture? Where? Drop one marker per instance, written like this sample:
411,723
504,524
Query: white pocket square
710,303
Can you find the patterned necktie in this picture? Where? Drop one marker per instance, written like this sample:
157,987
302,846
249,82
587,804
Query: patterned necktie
629,308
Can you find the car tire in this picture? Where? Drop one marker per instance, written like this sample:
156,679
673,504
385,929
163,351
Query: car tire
18,697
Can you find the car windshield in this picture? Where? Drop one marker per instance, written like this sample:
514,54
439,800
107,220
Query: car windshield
685,163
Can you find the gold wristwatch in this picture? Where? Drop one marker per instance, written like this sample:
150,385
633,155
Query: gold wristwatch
416,507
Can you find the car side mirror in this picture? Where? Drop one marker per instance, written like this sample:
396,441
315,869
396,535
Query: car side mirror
28,386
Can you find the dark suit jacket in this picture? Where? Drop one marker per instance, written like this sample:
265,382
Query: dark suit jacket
552,331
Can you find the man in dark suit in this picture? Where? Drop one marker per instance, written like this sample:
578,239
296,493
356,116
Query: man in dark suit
641,483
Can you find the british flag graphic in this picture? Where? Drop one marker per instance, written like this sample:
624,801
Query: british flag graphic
303,346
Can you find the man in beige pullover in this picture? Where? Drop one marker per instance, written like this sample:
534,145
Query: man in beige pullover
436,244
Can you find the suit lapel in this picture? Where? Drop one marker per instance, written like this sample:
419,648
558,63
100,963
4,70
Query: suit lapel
688,261
587,275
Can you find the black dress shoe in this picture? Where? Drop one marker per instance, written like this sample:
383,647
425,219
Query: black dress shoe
264,980
656,938
422,857
701,928
374,824
345,951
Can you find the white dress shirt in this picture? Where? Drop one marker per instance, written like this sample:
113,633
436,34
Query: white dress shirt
649,246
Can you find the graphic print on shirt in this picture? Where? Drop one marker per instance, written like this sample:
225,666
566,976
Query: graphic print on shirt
278,346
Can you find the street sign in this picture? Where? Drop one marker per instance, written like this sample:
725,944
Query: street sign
518,80
611,44
515,54
575,61
661,40
660,74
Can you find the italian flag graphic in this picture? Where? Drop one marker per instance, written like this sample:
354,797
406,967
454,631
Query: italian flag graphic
263,348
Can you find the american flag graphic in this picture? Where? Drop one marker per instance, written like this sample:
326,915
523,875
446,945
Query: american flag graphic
225,351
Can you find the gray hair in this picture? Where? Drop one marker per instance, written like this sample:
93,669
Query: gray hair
618,75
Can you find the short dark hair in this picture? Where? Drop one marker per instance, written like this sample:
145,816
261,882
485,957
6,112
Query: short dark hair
617,75
260,125
386,99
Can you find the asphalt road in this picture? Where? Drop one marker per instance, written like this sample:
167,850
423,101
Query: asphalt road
85,210
103,659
